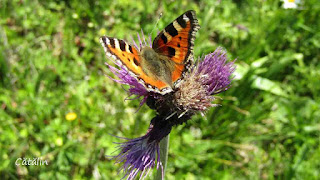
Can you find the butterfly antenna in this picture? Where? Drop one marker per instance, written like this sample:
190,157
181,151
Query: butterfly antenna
160,15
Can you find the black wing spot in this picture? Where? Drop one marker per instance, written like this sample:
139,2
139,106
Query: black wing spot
190,16
130,49
135,62
104,39
129,59
164,38
181,22
171,30
180,37
112,42
172,51
178,44
122,45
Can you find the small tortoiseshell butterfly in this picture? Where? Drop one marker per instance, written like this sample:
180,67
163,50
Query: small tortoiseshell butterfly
162,67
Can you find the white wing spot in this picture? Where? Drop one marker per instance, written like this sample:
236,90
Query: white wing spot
185,18
116,44
127,48
177,25
168,36
108,41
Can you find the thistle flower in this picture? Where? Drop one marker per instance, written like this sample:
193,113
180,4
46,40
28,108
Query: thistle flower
143,153
207,77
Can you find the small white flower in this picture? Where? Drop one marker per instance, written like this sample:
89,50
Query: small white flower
291,4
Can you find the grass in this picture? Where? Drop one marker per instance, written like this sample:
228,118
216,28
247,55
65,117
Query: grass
51,63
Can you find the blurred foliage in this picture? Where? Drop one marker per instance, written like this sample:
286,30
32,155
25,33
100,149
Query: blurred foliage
57,103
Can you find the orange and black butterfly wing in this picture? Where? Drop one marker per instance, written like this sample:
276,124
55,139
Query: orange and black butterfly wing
128,56
176,41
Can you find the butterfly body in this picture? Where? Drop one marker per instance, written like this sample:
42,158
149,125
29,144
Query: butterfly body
157,66
161,67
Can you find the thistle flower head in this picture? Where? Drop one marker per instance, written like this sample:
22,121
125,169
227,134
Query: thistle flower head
209,76
138,155
143,154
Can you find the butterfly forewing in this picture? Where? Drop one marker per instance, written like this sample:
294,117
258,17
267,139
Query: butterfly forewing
176,41
128,56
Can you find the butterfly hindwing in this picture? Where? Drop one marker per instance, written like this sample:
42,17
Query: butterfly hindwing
129,57
176,41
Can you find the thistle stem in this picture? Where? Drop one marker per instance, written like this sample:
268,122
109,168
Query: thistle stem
164,147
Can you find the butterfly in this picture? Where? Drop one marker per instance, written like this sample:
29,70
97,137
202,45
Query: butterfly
163,66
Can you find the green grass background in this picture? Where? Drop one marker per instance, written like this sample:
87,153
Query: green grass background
51,63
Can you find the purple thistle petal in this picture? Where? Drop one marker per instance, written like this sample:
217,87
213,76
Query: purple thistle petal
208,77
125,78
144,38
140,42
217,71
143,153
138,154
134,43
150,41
